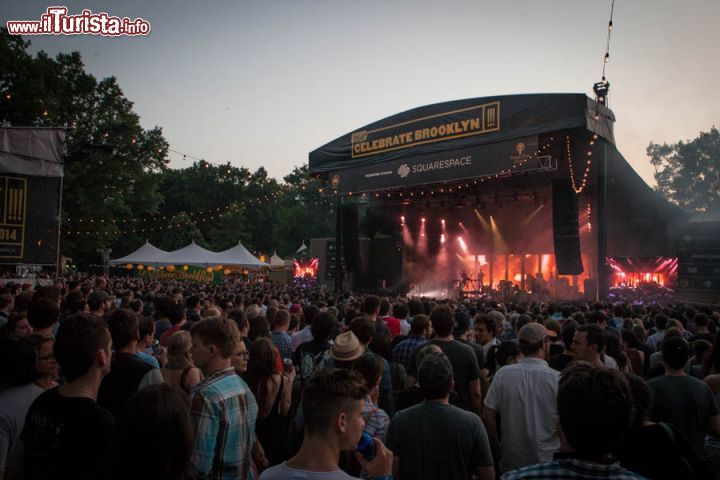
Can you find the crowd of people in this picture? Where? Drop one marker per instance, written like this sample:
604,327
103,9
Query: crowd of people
137,378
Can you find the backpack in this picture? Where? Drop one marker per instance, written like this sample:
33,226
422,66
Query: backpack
310,362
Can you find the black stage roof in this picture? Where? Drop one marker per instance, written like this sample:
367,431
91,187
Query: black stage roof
487,129
545,135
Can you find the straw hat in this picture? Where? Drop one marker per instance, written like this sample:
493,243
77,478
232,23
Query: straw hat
347,347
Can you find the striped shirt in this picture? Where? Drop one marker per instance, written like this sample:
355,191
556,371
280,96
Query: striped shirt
572,469
223,410
376,420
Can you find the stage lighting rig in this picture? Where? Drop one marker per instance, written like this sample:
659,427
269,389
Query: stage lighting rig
601,90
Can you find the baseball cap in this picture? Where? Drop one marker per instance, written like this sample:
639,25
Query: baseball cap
532,333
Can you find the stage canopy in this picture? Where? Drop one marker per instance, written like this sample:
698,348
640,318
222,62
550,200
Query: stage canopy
513,143
454,140
36,152
501,158
147,254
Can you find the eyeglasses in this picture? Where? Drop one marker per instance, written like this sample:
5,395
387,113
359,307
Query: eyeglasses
243,354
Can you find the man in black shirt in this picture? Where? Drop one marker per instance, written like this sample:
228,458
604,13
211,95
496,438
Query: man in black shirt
435,439
128,372
67,434
310,355
703,331
562,360
464,362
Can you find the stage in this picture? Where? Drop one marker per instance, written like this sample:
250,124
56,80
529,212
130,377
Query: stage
518,195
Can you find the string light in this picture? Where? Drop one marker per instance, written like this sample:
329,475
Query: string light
589,212
602,88
145,226
274,196
514,168
588,163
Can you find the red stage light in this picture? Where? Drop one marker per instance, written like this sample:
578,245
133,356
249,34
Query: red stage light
306,268
422,219
442,238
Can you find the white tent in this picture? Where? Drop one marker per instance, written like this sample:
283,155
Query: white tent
147,254
276,261
193,254
238,256
302,248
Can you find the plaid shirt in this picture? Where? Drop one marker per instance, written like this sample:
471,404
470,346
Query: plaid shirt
282,341
223,410
403,350
572,469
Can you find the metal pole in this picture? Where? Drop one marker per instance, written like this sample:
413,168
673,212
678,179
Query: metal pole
601,284
58,267
338,245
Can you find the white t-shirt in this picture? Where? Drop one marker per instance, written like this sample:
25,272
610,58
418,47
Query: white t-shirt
404,327
525,395
14,405
611,363
283,472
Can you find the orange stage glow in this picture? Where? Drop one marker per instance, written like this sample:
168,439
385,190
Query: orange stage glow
306,268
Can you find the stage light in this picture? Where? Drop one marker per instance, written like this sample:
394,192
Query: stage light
463,245
443,222
422,240
442,238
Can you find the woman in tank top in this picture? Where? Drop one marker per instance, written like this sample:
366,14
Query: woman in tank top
180,370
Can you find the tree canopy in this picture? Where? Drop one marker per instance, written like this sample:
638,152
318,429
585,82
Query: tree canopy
118,190
688,173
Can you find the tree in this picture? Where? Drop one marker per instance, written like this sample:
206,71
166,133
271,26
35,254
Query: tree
118,191
109,157
688,173
177,233
303,212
